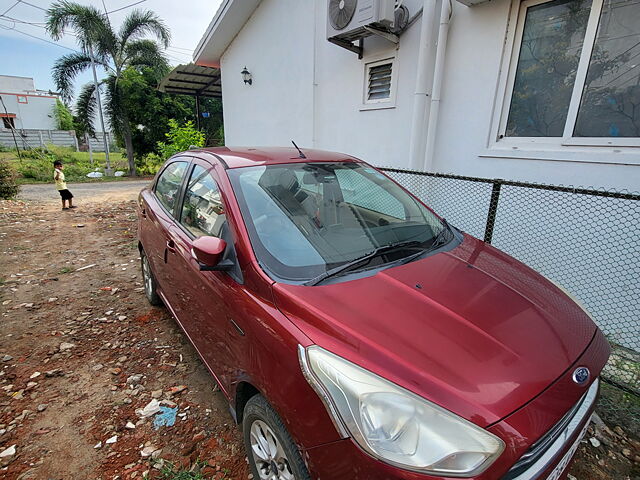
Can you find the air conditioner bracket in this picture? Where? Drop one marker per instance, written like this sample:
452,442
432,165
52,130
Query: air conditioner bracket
359,47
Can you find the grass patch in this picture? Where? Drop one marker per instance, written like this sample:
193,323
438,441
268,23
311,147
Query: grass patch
64,270
170,471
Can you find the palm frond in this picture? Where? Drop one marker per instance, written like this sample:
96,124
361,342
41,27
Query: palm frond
140,23
114,106
66,69
145,53
86,108
90,25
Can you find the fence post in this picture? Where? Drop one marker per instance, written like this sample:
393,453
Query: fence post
493,210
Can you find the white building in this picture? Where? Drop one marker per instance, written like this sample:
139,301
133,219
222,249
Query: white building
26,107
535,90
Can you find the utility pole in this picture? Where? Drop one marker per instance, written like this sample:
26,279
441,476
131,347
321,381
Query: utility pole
107,171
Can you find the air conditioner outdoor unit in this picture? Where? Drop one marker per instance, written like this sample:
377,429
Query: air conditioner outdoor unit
351,20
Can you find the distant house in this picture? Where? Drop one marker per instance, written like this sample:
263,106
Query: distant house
534,90
26,107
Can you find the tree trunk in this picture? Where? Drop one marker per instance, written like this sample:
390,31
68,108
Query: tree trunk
128,143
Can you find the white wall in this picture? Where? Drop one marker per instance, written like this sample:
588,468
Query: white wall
310,90
37,113
276,46
9,83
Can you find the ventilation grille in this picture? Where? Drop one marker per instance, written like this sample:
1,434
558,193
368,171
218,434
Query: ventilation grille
379,87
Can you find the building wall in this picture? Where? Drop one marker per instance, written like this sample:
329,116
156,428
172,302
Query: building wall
310,90
9,83
36,113
276,46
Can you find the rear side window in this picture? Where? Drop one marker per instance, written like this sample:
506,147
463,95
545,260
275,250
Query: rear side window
202,210
168,185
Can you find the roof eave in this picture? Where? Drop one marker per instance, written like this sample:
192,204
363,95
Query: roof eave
227,22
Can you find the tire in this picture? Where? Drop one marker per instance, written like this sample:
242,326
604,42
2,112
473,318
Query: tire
149,281
261,423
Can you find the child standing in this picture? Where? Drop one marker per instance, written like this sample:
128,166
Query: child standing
61,185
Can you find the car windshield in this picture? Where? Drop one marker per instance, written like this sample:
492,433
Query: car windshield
305,219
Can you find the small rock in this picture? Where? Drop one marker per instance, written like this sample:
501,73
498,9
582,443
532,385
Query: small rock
98,445
66,346
619,431
115,371
111,440
8,452
147,451
53,299
595,442
35,375
130,426
177,389
122,317
97,367
134,379
627,452
156,394
54,373
42,407
198,437
7,358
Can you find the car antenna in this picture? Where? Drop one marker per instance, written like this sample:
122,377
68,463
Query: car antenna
302,155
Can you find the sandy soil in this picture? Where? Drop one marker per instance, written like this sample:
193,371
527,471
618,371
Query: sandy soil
81,350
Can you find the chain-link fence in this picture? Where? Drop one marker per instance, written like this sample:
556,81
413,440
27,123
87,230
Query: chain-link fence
586,240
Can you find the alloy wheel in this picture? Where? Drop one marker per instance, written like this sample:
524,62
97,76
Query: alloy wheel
270,459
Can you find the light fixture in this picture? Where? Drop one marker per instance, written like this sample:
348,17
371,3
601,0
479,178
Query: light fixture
246,76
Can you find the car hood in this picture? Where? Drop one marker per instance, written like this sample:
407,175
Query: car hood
472,329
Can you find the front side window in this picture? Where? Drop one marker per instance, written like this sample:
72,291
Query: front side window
307,218
202,210
576,73
168,184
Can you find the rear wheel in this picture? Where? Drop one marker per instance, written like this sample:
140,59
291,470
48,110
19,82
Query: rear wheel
149,281
271,452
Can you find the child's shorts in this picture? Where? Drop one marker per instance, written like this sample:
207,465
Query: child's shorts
65,194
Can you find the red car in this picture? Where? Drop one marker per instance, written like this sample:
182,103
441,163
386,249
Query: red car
356,334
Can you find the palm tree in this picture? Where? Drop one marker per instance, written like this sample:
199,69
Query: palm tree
114,50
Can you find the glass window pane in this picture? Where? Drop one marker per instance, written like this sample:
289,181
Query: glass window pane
610,105
202,210
169,183
551,45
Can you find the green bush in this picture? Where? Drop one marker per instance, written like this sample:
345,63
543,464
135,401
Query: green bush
149,164
180,138
37,164
8,185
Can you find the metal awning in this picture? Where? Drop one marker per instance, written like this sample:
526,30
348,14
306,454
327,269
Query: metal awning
193,80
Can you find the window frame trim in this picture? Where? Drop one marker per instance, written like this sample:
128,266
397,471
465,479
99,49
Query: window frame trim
184,159
513,43
374,61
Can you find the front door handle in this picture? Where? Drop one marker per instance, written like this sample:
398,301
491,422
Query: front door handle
171,246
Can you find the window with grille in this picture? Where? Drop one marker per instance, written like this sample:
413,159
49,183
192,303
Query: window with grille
379,82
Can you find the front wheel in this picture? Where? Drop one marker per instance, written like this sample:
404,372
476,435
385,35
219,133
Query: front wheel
271,452
149,281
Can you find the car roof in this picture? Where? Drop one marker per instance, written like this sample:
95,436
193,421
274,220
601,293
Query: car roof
238,157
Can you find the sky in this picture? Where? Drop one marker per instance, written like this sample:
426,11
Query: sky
22,55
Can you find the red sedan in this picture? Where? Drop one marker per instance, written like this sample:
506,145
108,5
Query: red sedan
356,334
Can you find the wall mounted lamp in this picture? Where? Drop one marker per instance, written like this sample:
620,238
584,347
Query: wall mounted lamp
246,76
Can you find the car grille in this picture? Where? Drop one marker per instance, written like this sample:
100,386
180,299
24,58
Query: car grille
540,447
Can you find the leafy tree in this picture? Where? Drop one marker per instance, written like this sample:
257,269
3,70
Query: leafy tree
180,138
150,110
114,50
63,117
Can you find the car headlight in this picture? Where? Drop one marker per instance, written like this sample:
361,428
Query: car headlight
395,425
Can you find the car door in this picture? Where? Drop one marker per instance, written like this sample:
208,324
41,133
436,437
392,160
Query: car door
157,217
203,297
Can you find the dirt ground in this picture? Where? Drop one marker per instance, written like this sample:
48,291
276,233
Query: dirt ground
81,352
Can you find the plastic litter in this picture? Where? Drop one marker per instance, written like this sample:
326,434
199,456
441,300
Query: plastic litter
150,409
166,418
94,175
119,173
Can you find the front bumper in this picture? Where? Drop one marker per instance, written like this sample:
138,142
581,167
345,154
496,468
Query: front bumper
522,430
344,460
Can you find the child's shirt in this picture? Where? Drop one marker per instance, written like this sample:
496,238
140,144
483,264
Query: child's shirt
60,183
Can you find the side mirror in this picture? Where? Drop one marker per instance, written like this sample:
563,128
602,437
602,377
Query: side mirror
208,251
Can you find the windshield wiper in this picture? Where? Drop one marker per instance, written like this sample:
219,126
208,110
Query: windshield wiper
360,260
442,237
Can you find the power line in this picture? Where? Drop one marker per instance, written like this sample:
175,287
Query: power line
32,5
37,38
10,8
126,6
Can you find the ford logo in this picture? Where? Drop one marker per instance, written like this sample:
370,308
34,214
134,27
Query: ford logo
581,375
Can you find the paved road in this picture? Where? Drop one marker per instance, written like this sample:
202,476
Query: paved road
85,192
